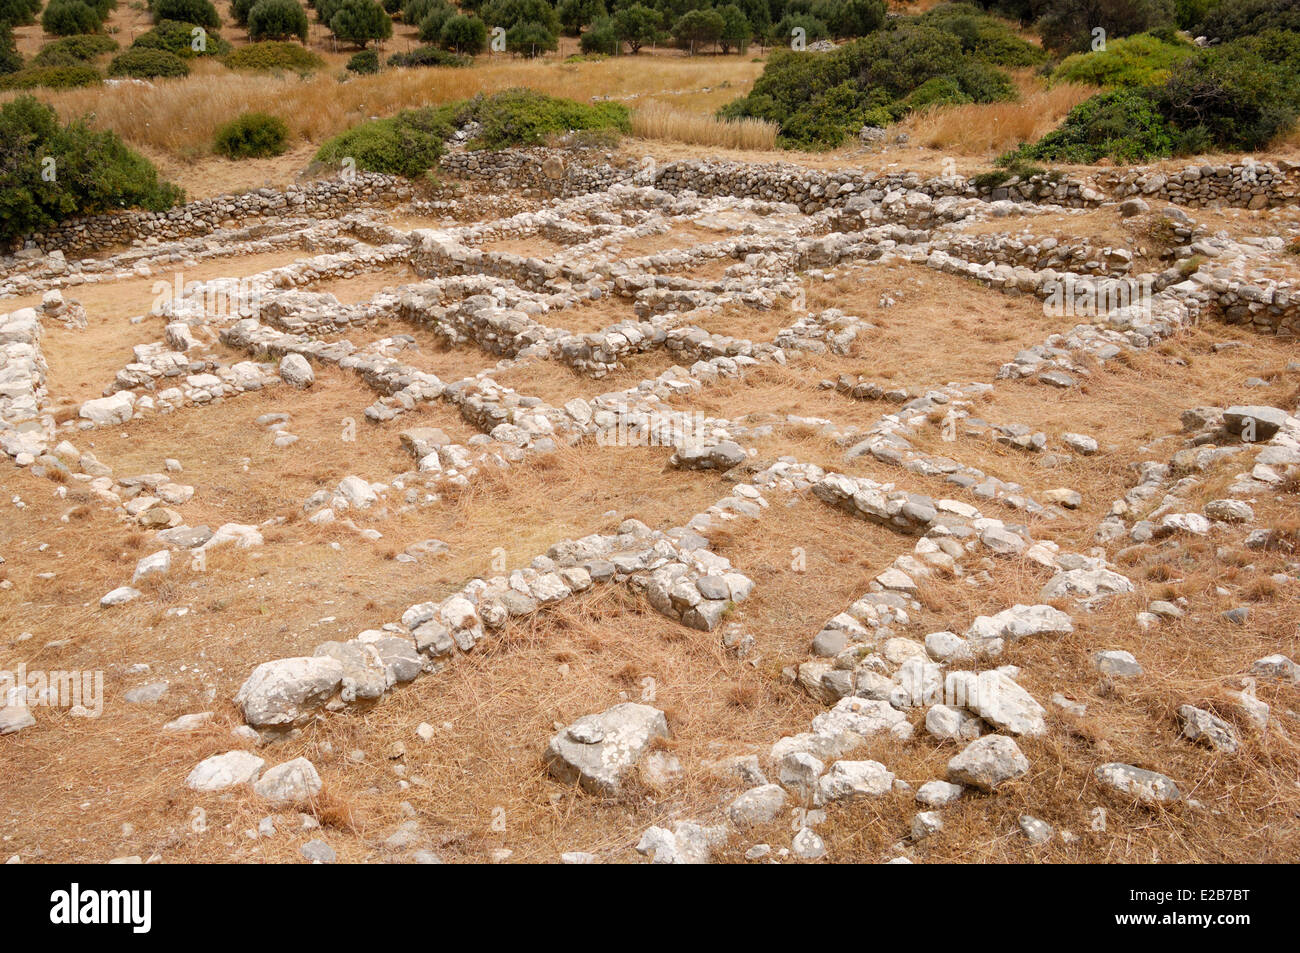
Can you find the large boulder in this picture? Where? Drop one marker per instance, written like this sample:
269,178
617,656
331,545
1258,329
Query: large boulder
998,700
282,691
296,371
987,762
1148,786
294,782
109,411
223,771
1021,621
597,751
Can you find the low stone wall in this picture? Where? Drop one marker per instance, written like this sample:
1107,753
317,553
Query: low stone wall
1244,184
332,198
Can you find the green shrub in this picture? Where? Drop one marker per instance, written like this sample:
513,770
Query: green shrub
523,117
240,9
436,14
510,13
938,91
1242,94
576,14
813,28
600,38
19,12
737,31
698,29
51,77
1140,60
408,144
272,56
1066,25
413,11
10,59
278,20
849,17
367,61
428,56
1233,19
182,39
1189,14
74,50
70,17
201,12
821,99
636,25
252,135
94,171
1124,125
983,36
144,63
463,34
530,39
359,22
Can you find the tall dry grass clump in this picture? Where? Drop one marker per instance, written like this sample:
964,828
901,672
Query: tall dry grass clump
983,128
657,121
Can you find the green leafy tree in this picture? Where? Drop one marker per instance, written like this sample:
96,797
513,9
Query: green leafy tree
277,20
201,12
601,37
576,14
69,17
463,34
360,21
530,39
698,29
636,26
10,60
431,26
18,12
508,13
737,31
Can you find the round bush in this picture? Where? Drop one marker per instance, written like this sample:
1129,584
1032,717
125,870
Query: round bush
69,17
97,172
360,21
463,35
272,55
530,39
180,38
434,19
277,20
1124,125
19,12
939,91
600,37
367,61
201,12
52,77
144,63
74,50
251,136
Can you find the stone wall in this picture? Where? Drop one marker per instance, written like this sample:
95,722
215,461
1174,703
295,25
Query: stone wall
1244,184
331,198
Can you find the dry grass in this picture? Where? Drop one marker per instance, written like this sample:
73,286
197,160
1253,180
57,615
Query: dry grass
989,129
179,116
657,121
